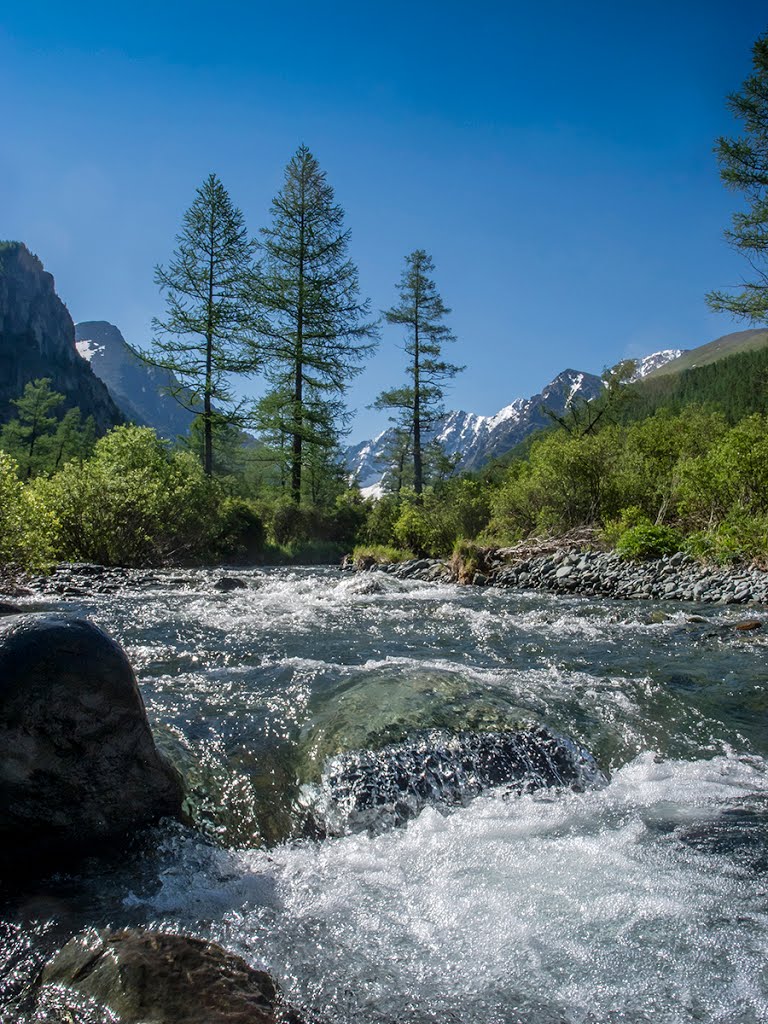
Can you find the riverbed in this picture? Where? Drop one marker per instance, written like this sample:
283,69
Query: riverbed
637,893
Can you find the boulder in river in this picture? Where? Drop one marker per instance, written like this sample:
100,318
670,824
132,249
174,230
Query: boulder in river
149,977
78,763
372,790
229,583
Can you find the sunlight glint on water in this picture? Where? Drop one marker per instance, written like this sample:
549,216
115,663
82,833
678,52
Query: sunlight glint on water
644,901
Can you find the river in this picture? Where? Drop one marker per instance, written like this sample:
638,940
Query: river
634,892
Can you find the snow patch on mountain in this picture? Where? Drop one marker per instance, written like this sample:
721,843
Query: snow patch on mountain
652,362
88,348
476,439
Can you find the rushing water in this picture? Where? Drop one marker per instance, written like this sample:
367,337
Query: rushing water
636,891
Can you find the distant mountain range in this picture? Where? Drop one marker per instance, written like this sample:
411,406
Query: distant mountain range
142,392
478,439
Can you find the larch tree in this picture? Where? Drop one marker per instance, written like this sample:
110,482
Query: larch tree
315,329
418,404
208,291
744,168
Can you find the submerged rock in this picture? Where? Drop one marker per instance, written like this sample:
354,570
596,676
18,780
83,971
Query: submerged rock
148,977
228,583
377,789
78,764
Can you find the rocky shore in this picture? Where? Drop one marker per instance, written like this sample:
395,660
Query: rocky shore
569,570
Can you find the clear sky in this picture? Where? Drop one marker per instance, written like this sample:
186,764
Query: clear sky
555,159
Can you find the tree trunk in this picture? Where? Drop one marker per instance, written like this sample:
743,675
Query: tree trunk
298,395
207,425
417,467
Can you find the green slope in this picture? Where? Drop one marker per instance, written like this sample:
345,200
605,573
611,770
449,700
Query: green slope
728,345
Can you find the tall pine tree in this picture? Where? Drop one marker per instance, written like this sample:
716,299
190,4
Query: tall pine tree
744,168
315,330
207,286
418,404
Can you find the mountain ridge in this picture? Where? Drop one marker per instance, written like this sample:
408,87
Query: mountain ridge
37,340
477,439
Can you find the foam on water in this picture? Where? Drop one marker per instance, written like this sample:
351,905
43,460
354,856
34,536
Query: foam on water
644,901
604,906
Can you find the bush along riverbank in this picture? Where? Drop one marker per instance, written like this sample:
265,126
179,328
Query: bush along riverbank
568,569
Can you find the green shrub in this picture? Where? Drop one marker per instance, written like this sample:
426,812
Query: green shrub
380,523
628,518
648,541
240,533
28,529
741,537
382,553
288,523
412,529
132,503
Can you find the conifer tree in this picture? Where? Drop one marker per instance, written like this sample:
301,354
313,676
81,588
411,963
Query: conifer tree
315,330
207,286
418,404
29,436
744,168
73,439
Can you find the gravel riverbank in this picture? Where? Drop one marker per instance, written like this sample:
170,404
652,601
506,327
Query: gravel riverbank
600,574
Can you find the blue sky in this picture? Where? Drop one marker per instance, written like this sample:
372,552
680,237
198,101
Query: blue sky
555,160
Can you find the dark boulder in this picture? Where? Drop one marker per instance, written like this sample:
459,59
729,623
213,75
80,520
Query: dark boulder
8,608
78,764
228,583
147,976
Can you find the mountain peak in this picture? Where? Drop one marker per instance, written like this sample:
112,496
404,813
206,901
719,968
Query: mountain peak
140,390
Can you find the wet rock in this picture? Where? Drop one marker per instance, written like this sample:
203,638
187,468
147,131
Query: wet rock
748,624
365,563
9,608
148,977
229,583
364,586
86,569
78,764
372,790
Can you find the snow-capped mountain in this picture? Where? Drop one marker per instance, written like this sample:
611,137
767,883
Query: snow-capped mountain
652,362
139,390
478,439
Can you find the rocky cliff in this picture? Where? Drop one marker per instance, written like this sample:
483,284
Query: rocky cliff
37,339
